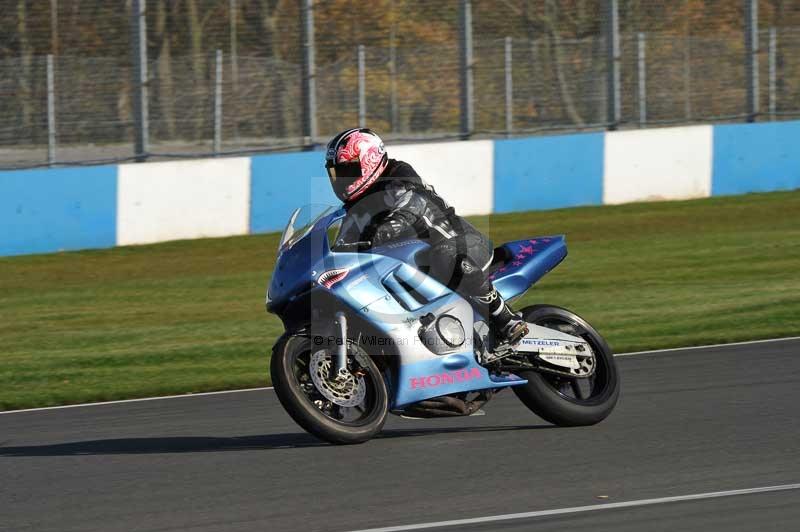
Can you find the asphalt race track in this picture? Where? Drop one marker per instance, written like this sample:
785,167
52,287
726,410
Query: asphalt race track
688,422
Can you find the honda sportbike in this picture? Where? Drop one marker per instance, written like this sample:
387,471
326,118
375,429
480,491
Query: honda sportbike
368,333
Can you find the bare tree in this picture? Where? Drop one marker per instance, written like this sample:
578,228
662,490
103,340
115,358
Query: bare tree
551,22
26,70
197,23
263,17
166,93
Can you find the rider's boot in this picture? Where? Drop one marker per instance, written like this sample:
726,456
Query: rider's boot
508,326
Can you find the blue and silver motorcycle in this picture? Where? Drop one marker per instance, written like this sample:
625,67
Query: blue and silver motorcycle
368,333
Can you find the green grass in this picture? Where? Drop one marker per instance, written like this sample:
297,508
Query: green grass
189,316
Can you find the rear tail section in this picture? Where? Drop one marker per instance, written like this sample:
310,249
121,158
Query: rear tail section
521,263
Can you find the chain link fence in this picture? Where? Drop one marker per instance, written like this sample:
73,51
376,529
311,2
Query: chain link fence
242,76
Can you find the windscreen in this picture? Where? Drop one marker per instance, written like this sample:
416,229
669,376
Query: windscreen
301,221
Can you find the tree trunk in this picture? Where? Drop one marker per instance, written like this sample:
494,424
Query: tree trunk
558,61
124,104
594,78
283,115
780,60
198,62
25,95
166,92
535,112
54,27
261,16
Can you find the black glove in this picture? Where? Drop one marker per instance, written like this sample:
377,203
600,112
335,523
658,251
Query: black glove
389,230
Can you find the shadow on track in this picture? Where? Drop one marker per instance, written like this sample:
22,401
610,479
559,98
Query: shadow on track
199,444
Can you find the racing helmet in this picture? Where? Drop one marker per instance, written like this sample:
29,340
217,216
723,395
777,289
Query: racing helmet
355,159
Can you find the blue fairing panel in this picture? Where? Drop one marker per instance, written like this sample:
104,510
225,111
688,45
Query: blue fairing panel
529,261
446,375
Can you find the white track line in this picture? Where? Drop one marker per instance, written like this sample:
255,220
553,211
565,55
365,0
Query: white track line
578,509
655,351
692,348
200,394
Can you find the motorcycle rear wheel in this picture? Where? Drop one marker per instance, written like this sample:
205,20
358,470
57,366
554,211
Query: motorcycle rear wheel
294,358
565,401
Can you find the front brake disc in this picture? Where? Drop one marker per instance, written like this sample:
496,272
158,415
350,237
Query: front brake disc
347,390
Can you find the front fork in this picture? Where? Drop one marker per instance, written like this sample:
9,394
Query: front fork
339,366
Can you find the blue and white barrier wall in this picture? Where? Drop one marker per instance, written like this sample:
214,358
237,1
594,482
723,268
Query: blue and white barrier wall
50,210
657,164
182,199
95,207
548,172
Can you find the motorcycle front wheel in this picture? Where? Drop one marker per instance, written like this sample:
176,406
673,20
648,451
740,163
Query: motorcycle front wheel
340,411
570,401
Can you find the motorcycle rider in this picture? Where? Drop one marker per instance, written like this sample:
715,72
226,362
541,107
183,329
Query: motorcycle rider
386,200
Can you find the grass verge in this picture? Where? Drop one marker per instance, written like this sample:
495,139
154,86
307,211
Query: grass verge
189,316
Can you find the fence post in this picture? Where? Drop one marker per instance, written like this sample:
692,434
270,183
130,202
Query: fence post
139,48
362,95
613,114
51,112
234,19
509,88
640,44
218,103
467,112
309,75
751,48
773,71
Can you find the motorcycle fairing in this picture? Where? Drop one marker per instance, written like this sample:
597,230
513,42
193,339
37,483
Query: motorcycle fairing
444,375
392,309
298,266
525,263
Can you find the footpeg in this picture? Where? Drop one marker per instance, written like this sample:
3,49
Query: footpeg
515,332
500,351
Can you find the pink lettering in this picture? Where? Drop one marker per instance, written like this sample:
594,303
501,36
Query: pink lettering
417,382
432,381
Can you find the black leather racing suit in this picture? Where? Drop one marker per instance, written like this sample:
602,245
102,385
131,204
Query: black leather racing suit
399,206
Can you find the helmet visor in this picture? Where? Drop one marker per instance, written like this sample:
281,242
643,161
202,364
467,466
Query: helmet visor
344,169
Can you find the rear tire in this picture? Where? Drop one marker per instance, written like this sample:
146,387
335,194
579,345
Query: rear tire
544,394
305,406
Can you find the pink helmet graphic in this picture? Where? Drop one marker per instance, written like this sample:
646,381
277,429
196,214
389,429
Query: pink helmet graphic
355,159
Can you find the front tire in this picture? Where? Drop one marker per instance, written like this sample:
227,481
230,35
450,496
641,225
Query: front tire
315,402
565,401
